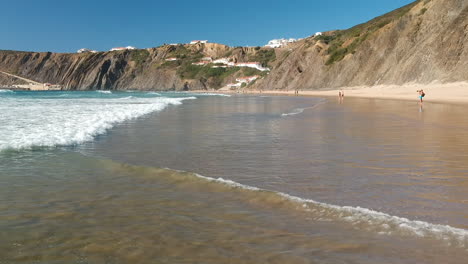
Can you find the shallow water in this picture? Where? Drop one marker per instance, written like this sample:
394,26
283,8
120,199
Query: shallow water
269,180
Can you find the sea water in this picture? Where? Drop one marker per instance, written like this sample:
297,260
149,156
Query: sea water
144,177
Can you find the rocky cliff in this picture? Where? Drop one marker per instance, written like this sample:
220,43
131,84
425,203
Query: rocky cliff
132,69
422,42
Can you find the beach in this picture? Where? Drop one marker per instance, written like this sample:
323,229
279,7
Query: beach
213,178
435,92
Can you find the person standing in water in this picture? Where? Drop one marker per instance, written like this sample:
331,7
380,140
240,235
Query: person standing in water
341,96
421,95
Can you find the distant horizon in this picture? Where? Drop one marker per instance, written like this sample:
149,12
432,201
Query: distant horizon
55,26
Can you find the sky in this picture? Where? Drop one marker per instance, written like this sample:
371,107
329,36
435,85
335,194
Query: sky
66,26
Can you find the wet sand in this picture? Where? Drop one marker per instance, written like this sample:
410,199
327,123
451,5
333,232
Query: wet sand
435,92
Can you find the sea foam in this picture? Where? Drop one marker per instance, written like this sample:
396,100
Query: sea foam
301,110
34,122
363,218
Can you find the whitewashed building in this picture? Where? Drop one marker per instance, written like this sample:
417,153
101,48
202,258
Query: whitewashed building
171,59
198,41
123,48
86,51
277,43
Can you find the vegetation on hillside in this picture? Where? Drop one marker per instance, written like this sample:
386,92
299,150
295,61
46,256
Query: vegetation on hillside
264,56
139,56
356,35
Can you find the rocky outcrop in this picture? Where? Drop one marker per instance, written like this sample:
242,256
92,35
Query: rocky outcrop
145,69
424,42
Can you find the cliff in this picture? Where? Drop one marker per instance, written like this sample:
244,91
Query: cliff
143,69
422,42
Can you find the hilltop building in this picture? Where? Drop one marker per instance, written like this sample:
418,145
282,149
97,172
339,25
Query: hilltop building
86,51
123,48
277,43
198,41
171,59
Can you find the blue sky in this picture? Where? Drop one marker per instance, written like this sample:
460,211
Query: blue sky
66,26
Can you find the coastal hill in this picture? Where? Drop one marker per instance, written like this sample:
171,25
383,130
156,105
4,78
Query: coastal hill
168,67
421,43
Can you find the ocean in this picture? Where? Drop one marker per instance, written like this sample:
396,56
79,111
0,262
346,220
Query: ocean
149,177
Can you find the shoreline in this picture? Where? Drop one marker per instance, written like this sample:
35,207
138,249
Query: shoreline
453,93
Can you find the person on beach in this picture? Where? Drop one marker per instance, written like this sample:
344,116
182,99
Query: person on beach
421,95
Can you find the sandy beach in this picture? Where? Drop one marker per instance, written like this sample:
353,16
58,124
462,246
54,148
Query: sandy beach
435,92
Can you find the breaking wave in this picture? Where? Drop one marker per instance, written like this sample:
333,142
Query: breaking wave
358,217
28,123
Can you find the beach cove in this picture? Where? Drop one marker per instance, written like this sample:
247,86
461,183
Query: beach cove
252,178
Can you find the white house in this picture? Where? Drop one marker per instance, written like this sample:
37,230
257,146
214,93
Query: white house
171,59
207,59
123,48
318,34
256,65
276,43
198,41
86,51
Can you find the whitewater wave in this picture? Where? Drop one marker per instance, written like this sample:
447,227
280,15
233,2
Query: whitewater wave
104,91
154,93
31,123
5,91
215,94
301,110
363,218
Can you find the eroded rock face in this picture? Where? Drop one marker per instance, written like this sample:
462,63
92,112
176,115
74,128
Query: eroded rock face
428,43
140,69
424,42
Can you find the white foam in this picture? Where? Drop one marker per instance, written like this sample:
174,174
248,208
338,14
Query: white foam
363,218
5,91
33,122
216,94
104,91
154,93
294,112
301,110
